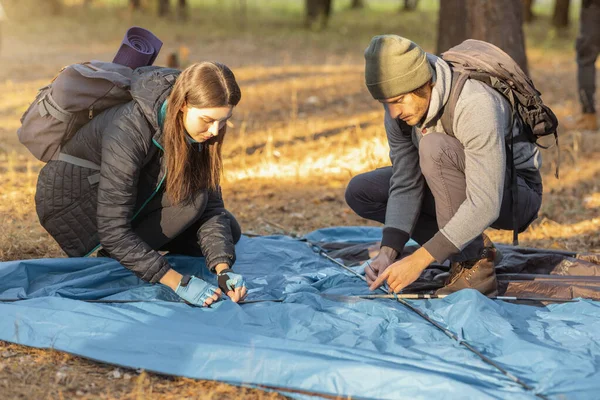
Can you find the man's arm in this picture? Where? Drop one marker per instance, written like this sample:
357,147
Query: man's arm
481,122
406,186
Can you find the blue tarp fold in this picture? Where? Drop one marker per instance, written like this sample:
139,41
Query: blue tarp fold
364,349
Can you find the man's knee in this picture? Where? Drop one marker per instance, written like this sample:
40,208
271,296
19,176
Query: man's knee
355,193
367,194
437,149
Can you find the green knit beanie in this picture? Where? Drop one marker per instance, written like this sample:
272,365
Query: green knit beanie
395,66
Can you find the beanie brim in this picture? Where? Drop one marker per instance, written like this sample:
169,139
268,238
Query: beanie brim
403,83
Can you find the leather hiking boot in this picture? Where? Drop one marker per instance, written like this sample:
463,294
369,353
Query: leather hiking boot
585,122
479,274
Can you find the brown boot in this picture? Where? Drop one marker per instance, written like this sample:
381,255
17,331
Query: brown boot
585,122
479,274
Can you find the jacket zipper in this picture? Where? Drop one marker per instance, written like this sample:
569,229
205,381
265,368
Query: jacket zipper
147,200
157,186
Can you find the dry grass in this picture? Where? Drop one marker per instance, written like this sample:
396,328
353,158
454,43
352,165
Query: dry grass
304,127
47,374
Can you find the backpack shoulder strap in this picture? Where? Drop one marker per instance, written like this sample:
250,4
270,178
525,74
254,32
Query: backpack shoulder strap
458,82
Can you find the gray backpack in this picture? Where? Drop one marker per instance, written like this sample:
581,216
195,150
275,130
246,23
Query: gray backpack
484,62
76,95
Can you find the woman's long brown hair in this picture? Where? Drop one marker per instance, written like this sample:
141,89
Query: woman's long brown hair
202,85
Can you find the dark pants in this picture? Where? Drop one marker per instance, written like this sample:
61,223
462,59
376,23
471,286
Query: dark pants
445,191
165,226
588,49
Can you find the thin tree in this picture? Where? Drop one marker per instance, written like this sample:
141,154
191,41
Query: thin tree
560,18
497,22
182,10
317,10
135,4
410,5
357,4
163,8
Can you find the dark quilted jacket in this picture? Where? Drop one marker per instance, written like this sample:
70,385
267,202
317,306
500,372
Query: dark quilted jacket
126,142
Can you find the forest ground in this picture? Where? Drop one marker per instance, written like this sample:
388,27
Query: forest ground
305,126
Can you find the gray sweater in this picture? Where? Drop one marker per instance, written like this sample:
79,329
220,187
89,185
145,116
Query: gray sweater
482,123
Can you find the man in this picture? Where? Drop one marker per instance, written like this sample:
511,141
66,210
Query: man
442,191
588,48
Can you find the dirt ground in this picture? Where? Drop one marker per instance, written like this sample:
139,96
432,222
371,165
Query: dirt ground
305,126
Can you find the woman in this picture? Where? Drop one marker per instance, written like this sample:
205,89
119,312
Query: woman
157,188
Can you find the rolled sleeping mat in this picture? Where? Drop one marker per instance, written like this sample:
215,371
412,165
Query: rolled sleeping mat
139,48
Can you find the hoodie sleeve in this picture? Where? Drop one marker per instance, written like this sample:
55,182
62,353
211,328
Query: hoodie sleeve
123,154
214,235
406,185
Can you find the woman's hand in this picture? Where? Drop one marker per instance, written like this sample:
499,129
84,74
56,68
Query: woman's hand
197,291
232,284
191,289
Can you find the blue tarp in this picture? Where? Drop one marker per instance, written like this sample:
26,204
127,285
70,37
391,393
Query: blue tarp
364,349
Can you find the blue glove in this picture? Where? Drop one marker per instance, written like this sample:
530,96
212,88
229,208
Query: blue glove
229,280
194,290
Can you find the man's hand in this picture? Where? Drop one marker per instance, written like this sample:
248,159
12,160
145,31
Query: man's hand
404,272
232,284
377,265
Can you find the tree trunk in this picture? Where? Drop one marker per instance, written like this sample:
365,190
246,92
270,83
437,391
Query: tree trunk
452,27
560,19
496,22
410,5
163,8
182,10
528,15
357,4
135,4
327,8
500,23
317,10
